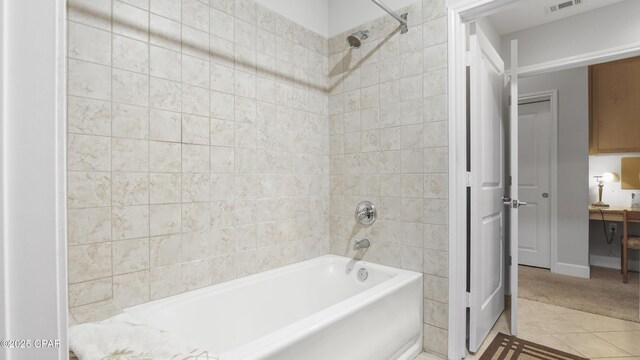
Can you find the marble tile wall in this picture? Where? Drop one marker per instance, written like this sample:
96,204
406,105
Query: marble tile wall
197,147
388,144
203,134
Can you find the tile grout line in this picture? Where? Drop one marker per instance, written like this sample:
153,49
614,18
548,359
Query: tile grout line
148,297
111,37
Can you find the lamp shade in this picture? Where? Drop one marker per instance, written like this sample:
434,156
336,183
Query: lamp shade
610,177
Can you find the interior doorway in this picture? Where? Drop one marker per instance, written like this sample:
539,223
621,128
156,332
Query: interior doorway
537,152
532,244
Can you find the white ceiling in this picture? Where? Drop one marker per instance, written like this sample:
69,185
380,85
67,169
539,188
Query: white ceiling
529,13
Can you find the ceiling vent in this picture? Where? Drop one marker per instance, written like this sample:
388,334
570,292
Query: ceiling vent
562,5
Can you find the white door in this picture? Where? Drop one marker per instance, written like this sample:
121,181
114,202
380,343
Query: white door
534,182
514,203
487,246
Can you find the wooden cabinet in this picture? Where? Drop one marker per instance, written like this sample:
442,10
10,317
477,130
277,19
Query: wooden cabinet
614,107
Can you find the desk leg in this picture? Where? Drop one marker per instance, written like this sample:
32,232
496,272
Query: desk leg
625,249
625,263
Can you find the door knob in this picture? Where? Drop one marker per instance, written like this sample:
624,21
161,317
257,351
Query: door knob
545,195
513,203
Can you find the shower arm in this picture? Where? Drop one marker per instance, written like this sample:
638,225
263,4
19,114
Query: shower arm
402,19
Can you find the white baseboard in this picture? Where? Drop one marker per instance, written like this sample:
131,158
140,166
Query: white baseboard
572,270
611,262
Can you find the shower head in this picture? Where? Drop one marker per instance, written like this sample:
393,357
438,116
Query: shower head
356,39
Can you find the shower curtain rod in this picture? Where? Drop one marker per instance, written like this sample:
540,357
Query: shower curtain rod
402,19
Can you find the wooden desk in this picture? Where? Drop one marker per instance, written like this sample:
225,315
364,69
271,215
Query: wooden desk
610,214
615,214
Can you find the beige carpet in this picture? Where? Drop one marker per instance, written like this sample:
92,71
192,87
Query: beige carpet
603,294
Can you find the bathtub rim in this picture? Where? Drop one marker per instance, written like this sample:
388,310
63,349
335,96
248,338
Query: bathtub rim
155,305
289,334
292,332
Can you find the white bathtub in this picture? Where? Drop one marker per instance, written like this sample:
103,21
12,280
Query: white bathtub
317,309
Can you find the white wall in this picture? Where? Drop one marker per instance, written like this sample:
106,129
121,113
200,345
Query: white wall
33,221
314,15
346,14
491,33
573,161
595,30
612,194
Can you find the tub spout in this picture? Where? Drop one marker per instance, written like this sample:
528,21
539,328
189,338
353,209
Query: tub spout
361,244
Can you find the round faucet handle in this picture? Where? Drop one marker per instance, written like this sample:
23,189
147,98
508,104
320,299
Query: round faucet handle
366,213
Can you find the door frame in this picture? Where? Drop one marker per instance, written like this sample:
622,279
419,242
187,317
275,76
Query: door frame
552,97
459,12
33,299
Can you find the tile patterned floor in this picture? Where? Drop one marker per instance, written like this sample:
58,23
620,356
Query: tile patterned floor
576,332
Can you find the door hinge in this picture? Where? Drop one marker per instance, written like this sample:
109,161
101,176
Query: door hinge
510,260
509,100
468,178
467,299
509,180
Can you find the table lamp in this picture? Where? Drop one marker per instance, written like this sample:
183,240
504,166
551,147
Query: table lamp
601,179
